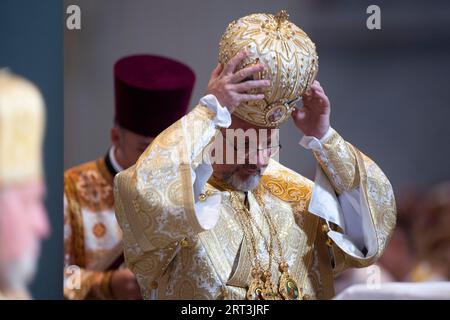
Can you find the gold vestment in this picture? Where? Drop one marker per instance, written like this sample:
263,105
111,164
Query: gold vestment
175,257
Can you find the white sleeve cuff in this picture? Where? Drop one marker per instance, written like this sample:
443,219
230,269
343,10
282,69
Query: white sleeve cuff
223,116
208,211
349,211
310,142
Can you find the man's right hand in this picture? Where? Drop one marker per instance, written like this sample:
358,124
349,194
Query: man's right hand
229,86
124,285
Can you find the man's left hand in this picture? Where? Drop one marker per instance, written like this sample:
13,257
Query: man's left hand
313,119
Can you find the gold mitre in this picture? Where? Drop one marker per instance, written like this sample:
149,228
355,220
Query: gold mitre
21,130
289,56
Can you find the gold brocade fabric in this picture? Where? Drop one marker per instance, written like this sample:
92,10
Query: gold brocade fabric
290,60
90,227
22,124
174,257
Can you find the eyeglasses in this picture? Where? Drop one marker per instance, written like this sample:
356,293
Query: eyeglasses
251,153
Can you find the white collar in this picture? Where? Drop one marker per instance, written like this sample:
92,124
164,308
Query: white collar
117,167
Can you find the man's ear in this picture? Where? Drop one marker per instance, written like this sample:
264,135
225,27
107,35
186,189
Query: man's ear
115,136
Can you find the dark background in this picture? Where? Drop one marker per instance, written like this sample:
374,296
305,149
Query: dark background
31,45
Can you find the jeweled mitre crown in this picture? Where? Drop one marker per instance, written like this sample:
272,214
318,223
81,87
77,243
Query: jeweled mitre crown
289,56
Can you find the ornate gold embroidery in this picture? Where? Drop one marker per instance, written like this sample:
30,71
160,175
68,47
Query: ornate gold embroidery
99,230
88,187
285,188
76,222
94,192
338,162
175,190
290,58
153,216
92,185
104,171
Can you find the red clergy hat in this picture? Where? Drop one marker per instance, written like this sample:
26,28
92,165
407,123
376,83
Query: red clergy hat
151,93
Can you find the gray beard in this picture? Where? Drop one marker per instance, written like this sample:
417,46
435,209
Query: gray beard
16,275
243,185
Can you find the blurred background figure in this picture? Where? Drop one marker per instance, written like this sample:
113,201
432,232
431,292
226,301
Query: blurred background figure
400,256
416,263
151,93
31,45
432,236
23,218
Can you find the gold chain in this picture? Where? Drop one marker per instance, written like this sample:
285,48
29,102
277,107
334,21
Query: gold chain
256,286
288,288
247,230
269,290
271,224
261,287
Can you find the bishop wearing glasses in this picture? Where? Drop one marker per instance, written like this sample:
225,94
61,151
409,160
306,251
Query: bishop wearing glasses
208,212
